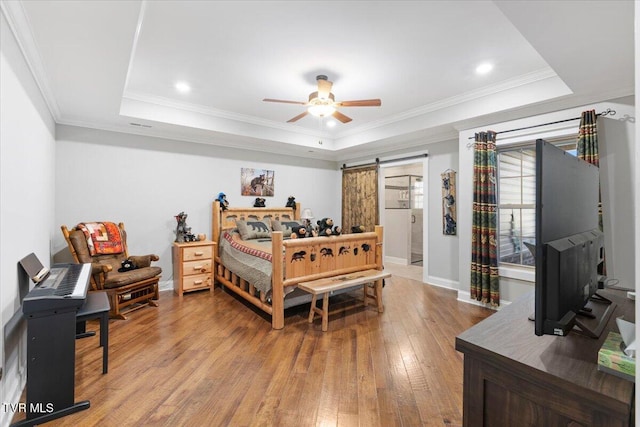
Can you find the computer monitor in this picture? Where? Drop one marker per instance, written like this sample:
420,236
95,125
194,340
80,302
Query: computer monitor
569,244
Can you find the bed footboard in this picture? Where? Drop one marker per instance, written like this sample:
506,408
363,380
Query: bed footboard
318,257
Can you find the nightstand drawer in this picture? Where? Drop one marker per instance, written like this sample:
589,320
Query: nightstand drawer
197,267
197,252
195,282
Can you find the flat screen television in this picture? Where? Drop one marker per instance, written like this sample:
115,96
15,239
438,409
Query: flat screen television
569,244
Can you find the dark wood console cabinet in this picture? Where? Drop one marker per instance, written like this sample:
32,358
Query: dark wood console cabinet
514,378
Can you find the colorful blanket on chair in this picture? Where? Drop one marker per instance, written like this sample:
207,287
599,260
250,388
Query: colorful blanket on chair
102,237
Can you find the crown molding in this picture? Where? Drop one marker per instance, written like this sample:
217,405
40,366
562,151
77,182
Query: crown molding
16,17
174,134
222,114
519,81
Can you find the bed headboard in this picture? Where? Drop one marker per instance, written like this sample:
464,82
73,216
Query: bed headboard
224,220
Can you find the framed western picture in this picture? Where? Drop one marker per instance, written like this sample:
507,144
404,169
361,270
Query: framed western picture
256,182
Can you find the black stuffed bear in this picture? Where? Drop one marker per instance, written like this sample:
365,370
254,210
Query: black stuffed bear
259,203
357,229
300,232
291,203
222,198
324,226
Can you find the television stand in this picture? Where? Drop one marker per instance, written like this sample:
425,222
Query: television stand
514,377
597,312
599,298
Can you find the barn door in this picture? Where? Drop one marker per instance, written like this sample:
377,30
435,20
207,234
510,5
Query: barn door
360,197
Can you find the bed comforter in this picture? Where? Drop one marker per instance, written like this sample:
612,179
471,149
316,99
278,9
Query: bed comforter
248,259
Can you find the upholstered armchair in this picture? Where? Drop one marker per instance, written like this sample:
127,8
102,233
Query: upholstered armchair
131,285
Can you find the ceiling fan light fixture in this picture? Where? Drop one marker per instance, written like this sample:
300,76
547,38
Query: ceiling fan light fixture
322,103
321,107
321,110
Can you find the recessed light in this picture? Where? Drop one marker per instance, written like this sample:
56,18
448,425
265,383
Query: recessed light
484,68
183,87
331,123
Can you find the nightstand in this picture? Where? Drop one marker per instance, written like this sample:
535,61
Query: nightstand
193,266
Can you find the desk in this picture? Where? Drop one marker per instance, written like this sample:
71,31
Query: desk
513,377
96,306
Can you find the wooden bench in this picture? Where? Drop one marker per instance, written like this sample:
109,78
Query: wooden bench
327,285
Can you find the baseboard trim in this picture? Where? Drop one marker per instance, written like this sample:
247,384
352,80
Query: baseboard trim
465,296
165,285
441,282
395,260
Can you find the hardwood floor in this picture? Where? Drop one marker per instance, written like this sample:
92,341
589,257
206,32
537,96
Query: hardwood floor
211,360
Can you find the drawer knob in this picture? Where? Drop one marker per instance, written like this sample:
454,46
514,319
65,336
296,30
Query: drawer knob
198,253
197,282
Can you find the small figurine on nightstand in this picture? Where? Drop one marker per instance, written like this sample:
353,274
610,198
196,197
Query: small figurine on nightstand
183,232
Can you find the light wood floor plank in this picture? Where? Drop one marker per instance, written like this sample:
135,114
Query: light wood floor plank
211,359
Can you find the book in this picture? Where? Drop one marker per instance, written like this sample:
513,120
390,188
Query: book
613,360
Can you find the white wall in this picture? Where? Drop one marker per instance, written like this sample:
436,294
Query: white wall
397,222
26,198
397,229
145,181
442,249
440,252
617,145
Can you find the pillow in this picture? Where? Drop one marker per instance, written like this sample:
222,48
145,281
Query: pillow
254,229
285,226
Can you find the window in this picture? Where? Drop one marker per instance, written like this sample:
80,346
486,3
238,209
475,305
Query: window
517,201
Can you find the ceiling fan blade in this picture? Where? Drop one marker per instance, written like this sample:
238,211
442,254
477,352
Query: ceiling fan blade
361,103
324,88
338,115
298,117
284,101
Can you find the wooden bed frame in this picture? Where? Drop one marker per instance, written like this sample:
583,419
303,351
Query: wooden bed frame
304,259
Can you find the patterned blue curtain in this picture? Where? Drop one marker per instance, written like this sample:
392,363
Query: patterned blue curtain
485,285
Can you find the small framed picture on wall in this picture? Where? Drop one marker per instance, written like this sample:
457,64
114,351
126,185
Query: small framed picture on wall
256,182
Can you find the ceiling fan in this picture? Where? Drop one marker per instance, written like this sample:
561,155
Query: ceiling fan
322,103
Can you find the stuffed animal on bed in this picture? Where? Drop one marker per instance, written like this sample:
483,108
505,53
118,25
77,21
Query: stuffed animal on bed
300,232
259,203
222,198
326,228
357,229
291,203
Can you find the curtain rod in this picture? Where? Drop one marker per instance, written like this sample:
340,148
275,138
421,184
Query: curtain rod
379,162
604,113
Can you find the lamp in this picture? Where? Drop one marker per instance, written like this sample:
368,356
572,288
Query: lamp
306,217
306,214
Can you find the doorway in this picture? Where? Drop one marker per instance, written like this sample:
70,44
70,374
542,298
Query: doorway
403,204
